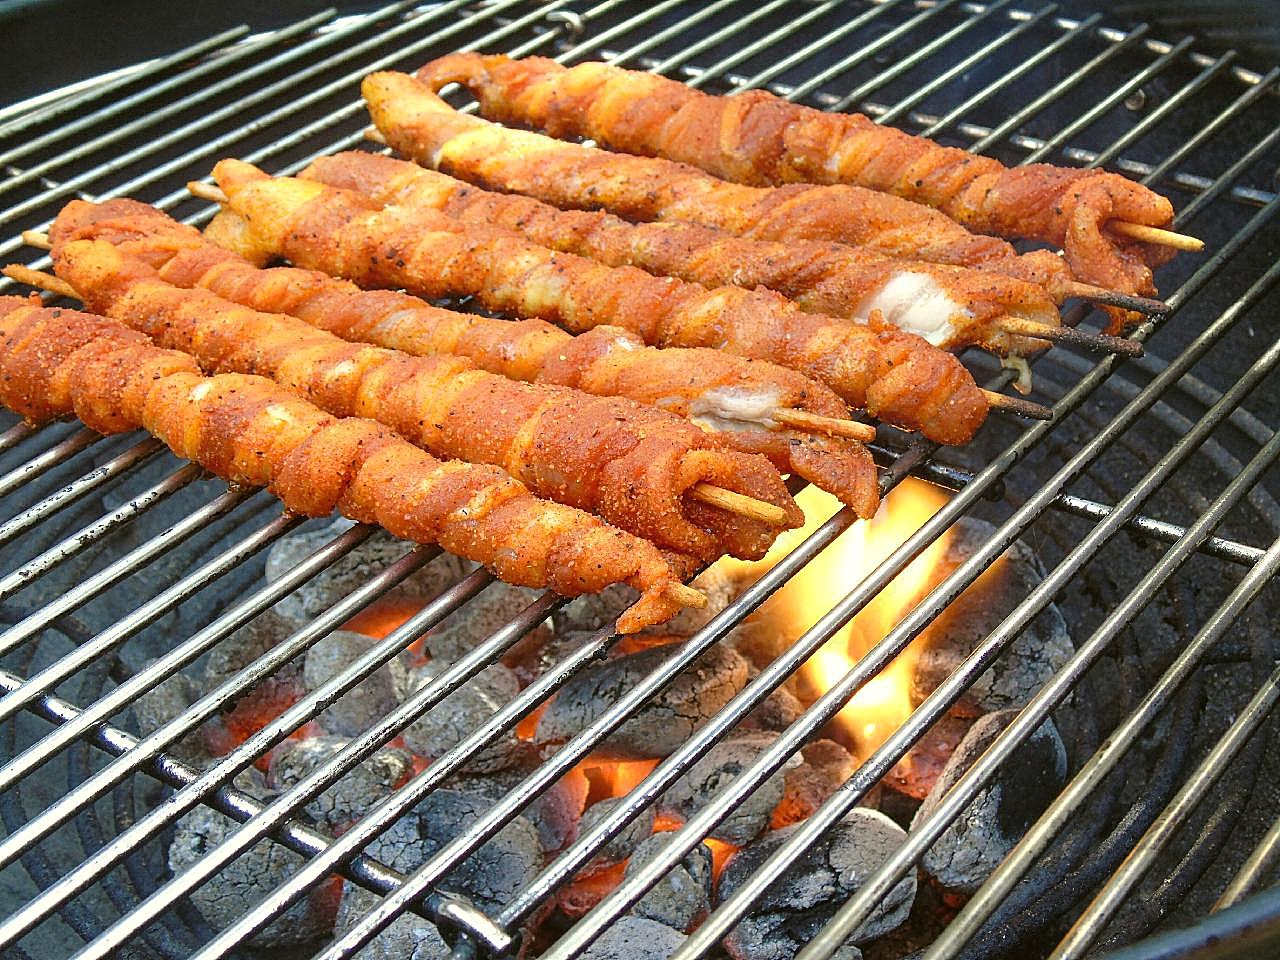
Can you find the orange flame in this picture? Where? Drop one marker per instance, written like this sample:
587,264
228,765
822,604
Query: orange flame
884,702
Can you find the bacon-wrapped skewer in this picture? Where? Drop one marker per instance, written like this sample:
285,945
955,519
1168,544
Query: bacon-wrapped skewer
632,464
411,118
951,307
759,139
251,431
896,376
742,401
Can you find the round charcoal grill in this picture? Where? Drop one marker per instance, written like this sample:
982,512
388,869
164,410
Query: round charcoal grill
1148,500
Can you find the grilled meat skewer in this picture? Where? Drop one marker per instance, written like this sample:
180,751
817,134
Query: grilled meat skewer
951,307
249,430
633,465
421,126
896,376
741,401
757,138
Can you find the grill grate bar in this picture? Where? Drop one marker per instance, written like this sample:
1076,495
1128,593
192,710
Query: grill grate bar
15,435
136,455
1091,923
1019,860
96,90
1254,870
21,632
171,108
924,833
47,460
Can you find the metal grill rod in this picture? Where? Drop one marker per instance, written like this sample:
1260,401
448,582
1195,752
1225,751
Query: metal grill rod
1254,870
96,89
25,629
1091,923
15,435
298,642
722,920
138,454
48,459
925,832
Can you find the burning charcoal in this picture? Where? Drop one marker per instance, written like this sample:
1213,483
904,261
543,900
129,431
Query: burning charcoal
635,938
698,786
356,791
353,570
683,895
995,820
369,700
777,712
461,713
593,611
491,876
916,773
555,813
660,725
491,609
807,896
245,645
266,699
247,879
407,937
824,766
530,661
164,703
1024,667
625,843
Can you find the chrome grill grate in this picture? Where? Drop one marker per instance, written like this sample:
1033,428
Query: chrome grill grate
1026,84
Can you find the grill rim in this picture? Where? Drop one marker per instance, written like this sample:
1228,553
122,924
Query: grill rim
1202,200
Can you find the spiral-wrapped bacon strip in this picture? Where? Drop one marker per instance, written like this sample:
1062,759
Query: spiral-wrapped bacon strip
896,376
732,396
757,138
951,307
252,431
631,464
420,125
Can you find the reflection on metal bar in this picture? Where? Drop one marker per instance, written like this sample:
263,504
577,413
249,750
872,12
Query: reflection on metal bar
1254,870
47,460
15,435
923,834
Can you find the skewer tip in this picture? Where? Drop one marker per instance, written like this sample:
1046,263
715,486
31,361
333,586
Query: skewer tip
1056,333
36,238
374,135
206,191
1022,408
1156,235
39,280
1114,298
739,503
686,596
817,423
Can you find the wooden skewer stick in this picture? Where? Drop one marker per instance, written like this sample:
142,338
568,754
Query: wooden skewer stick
42,281
739,503
373,134
206,191
37,239
687,595
1156,235
816,423
1114,298
1023,408
1097,342
708,493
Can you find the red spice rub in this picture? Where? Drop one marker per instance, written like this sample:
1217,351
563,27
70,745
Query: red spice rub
251,431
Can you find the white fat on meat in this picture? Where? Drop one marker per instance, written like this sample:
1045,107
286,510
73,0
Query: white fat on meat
915,303
734,408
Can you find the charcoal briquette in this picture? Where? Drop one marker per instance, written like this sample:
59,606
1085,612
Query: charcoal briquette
351,797
369,700
635,938
683,895
463,712
624,844
407,937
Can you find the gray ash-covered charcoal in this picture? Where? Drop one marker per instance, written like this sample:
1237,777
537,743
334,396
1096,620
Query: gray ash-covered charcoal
1026,664
624,844
532,660
824,765
407,937
779,710
635,938
491,876
243,646
354,570
707,778
463,712
681,897
350,798
807,896
469,626
555,813
369,700
663,723
995,820
247,880
163,704
593,611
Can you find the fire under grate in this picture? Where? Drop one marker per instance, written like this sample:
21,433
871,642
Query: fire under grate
1147,503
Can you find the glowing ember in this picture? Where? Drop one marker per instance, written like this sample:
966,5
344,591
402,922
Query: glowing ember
883,703
721,851
608,778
